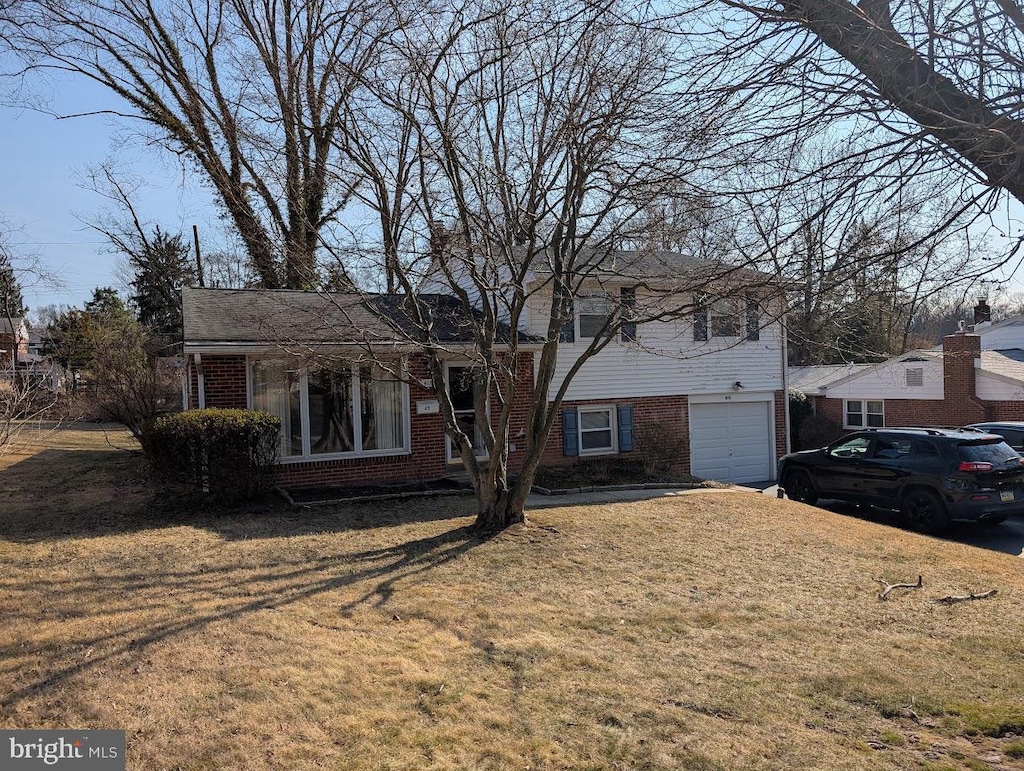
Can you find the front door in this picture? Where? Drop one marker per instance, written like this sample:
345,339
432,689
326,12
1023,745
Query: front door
461,382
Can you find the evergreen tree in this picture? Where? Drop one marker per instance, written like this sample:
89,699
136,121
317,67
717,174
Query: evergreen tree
161,267
12,304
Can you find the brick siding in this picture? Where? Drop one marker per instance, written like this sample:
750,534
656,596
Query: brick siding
672,412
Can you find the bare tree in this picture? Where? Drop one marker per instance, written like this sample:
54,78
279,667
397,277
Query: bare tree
248,94
920,88
542,136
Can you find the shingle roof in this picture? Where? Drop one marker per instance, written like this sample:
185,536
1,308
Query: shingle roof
279,315
282,316
8,326
810,379
1007,363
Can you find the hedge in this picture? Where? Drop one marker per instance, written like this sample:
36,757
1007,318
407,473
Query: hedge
228,454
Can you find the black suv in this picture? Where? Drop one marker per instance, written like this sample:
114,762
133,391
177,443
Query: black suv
930,475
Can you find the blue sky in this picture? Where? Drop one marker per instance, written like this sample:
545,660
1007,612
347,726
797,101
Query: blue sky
45,209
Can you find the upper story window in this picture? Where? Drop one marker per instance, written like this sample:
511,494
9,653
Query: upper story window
345,409
915,377
592,314
725,317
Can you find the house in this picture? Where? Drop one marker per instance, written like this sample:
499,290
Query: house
14,339
974,376
716,377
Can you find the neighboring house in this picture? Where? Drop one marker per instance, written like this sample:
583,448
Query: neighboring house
14,341
974,376
717,377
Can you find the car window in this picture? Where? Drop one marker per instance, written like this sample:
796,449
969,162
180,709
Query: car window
851,448
1013,437
997,453
891,448
922,448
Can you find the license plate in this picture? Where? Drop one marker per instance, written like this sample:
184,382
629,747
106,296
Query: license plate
1006,495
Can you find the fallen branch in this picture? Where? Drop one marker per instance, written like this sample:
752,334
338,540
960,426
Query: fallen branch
889,587
965,597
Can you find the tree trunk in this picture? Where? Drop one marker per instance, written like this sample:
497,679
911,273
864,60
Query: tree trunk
503,509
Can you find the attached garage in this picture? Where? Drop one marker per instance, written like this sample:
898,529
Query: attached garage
731,438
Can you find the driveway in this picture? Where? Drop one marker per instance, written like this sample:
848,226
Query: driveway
1007,537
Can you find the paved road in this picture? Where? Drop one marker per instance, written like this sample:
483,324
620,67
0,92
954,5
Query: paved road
1007,537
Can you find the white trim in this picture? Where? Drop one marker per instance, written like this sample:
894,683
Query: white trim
201,380
613,424
736,396
450,457
355,400
864,413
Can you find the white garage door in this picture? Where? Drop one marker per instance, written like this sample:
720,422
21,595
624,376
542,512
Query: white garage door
731,441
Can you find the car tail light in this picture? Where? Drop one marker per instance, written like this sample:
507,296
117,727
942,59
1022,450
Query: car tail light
972,465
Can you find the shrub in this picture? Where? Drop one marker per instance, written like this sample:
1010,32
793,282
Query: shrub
800,408
660,447
817,431
229,454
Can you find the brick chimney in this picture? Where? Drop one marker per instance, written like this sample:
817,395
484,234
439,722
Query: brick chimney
982,312
959,380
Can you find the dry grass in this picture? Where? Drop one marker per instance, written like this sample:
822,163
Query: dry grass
708,631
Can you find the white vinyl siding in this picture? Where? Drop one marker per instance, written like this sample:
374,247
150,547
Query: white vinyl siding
889,381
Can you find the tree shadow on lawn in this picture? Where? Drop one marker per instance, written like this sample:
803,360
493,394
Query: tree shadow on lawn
61,494
236,590
1007,537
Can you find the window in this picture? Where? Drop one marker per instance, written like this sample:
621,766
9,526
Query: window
915,377
339,410
864,413
597,430
595,313
851,448
725,319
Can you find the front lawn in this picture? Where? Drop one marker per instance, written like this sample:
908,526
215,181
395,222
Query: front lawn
713,630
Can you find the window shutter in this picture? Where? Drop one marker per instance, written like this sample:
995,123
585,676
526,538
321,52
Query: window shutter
570,433
627,296
567,334
753,319
700,317
625,427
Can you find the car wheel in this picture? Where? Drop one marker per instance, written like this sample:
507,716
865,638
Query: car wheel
798,487
924,511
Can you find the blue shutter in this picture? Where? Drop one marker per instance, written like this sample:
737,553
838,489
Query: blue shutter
570,433
753,319
627,296
567,334
625,427
700,317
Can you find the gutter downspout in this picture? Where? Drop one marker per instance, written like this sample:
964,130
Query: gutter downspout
785,381
201,379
